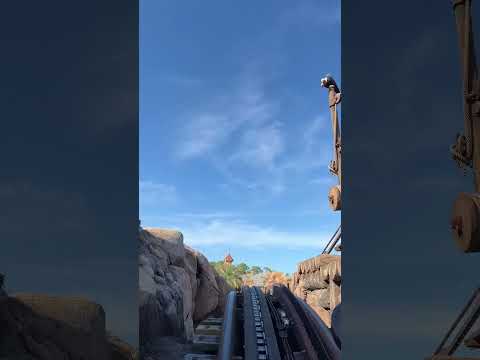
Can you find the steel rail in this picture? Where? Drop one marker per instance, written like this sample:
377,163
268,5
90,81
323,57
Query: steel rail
250,338
270,338
282,330
337,235
473,308
229,336
254,320
320,335
298,329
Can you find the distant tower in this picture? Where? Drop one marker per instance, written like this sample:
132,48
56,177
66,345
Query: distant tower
228,260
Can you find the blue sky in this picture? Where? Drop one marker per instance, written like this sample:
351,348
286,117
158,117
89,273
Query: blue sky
235,134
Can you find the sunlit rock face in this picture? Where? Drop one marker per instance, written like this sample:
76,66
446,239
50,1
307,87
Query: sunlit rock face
178,287
38,326
318,282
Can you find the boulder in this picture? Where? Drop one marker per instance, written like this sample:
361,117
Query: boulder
178,287
191,265
324,314
318,282
182,280
52,328
208,293
169,242
161,314
316,263
320,298
335,295
313,281
164,286
301,293
120,350
75,311
206,300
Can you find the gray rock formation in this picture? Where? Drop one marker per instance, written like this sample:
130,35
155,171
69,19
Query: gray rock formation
178,287
165,287
208,293
319,297
257,279
43,327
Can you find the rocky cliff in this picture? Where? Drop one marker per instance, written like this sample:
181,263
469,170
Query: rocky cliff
43,327
318,282
178,287
266,279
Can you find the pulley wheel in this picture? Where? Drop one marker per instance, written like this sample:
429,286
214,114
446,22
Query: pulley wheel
334,198
465,222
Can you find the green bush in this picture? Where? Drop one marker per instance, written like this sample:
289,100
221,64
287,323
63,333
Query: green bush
234,274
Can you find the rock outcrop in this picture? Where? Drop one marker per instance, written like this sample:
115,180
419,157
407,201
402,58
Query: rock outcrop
43,327
318,282
178,287
266,279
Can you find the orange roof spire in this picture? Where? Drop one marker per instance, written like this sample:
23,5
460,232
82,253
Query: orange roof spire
228,259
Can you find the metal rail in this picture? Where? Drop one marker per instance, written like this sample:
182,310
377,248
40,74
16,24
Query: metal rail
298,328
250,338
322,338
260,341
470,313
333,241
281,325
274,326
228,340
266,327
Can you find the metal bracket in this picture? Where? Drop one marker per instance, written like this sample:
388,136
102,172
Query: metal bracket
469,314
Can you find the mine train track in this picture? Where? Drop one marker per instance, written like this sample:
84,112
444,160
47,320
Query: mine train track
275,326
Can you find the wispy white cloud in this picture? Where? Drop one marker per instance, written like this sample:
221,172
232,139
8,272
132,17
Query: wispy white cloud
261,146
152,193
274,164
209,128
244,234
186,217
313,131
313,152
242,134
204,133
180,218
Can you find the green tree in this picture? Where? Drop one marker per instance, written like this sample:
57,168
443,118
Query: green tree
230,275
256,270
242,268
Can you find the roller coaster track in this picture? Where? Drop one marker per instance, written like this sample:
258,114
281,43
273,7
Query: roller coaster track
273,326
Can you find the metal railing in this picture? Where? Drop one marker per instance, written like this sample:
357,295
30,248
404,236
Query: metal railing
227,343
